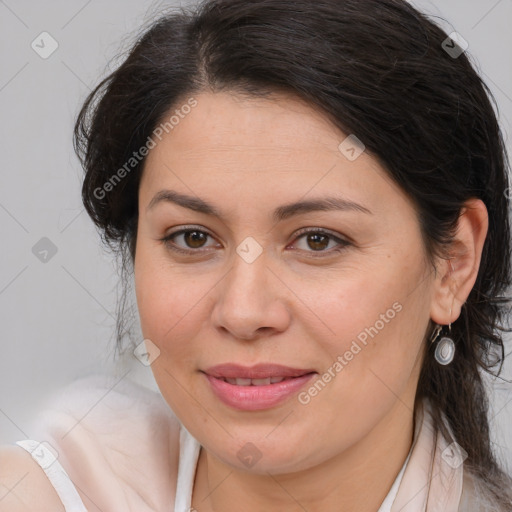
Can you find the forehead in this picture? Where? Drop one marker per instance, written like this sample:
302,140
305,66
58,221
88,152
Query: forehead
234,148
226,126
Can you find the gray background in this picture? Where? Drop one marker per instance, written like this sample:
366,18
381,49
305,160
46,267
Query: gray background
57,317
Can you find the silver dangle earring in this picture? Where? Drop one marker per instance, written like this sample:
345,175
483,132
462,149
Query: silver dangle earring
445,349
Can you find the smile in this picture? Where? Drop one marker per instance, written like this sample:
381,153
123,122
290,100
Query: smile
256,388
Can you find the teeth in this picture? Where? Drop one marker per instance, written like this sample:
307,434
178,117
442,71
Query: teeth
261,382
254,382
242,382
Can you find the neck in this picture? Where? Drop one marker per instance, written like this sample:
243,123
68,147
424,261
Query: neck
357,479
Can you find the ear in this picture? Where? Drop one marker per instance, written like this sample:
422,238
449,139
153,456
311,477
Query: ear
456,276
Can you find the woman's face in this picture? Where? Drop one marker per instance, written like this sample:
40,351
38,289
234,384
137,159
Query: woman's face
344,310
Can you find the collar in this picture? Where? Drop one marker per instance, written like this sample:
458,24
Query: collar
433,478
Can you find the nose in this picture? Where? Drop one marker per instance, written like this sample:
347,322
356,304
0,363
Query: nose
251,300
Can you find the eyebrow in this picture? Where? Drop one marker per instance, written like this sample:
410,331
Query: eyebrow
280,213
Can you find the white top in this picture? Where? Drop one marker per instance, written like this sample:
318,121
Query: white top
189,455
56,474
124,449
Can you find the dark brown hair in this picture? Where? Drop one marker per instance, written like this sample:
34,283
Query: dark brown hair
377,69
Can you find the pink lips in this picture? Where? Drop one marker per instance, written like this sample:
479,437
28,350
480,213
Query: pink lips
258,387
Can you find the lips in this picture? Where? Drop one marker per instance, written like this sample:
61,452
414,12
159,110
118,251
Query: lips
258,387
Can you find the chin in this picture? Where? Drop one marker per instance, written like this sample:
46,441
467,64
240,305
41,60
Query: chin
255,453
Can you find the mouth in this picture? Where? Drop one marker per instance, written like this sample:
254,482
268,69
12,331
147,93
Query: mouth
256,373
255,382
258,387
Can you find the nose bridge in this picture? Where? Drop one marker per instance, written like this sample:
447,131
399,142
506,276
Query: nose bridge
246,282
247,301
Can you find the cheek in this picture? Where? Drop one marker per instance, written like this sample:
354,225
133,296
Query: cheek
355,303
157,295
171,304
166,309
376,322
165,301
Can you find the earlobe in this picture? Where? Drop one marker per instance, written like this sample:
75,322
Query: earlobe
457,275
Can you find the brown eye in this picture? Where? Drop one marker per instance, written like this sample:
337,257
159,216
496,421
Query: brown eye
320,241
317,241
187,241
195,239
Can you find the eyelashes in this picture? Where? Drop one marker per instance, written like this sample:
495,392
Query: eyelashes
316,236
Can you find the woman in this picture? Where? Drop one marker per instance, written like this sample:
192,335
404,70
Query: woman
312,196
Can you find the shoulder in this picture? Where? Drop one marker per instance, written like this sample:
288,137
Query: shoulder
117,441
24,486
